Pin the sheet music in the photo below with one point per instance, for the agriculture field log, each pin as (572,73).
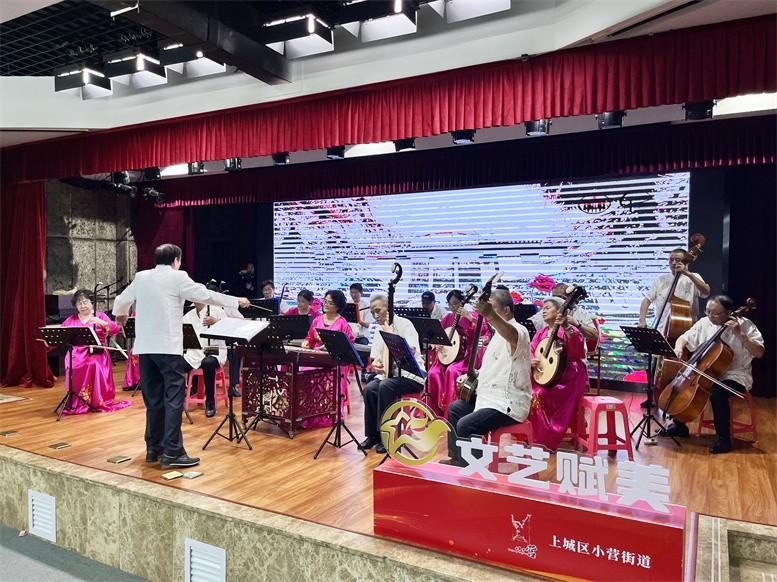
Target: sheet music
(236,329)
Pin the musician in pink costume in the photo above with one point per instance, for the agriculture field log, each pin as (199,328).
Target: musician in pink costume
(553,407)
(330,318)
(441,379)
(92,374)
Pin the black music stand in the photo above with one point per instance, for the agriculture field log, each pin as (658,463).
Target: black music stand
(266,341)
(647,340)
(255,312)
(69,337)
(529,325)
(290,327)
(273,306)
(343,352)
(430,333)
(522,311)
(408,312)
(349,312)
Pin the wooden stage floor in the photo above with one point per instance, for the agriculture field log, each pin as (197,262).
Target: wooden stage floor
(281,475)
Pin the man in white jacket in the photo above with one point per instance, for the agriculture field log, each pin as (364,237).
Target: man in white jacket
(159,295)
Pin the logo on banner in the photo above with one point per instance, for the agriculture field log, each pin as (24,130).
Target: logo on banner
(411,432)
(522,535)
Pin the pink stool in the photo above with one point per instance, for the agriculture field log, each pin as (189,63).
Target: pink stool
(735,426)
(589,437)
(220,390)
(522,431)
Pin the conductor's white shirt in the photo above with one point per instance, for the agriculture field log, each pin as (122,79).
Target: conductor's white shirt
(159,295)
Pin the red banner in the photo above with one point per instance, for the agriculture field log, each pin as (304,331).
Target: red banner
(541,531)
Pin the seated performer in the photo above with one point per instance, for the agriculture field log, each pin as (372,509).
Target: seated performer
(201,317)
(429,303)
(577,317)
(268,292)
(382,391)
(92,373)
(441,379)
(745,340)
(304,305)
(361,329)
(553,406)
(504,389)
(132,373)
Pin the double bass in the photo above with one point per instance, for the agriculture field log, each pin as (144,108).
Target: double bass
(446,355)
(467,390)
(687,394)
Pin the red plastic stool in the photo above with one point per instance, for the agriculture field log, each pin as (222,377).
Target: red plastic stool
(522,431)
(590,437)
(735,426)
(220,387)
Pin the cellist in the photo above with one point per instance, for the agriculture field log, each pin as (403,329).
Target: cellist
(745,341)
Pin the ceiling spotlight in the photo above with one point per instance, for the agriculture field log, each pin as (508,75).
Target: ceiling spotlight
(135,68)
(233,164)
(298,36)
(538,127)
(280,159)
(196,168)
(154,195)
(458,10)
(405,144)
(84,82)
(610,119)
(188,61)
(379,20)
(335,153)
(463,136)
(698,110)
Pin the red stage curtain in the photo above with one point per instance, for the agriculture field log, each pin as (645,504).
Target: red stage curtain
(22,261)
(694,64)
(156,226)
(641,149)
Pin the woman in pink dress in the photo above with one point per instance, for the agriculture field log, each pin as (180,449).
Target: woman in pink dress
(441,379)
(304,305)
(334,303)
(553,406)
(92,373)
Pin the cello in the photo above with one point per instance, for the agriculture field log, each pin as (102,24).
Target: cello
(687,394)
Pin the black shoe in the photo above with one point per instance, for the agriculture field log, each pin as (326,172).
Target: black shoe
(721,446)
(129,388)
(675,430)
(210,412)
(453,462)
(380,449)
(368,443)
(644,403)
(181,461)
(234,392)
(152,456)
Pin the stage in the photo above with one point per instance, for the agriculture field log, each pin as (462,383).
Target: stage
(280,475)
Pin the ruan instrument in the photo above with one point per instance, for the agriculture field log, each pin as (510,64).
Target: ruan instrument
(550,351)
(446,355)
(467,390)
(392,285)
(687,394)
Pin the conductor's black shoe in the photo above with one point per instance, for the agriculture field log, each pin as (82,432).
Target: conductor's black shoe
(130,388)
(380,449)
(721,446)
(234,392)
(675,430)
(210,412)
(368,443)
(152,456)
(182,461)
